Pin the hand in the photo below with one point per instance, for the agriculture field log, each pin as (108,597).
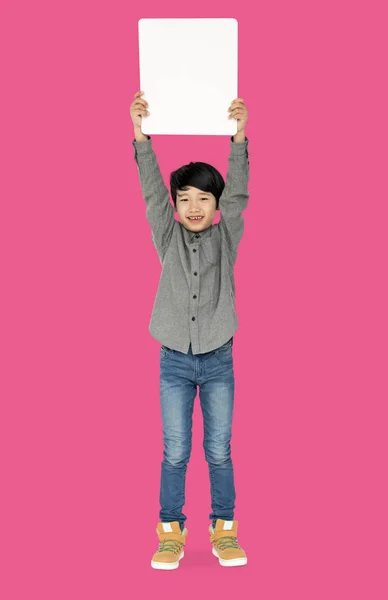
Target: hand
(239,111)
(138,109)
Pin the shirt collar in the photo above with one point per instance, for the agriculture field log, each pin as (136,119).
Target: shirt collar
(191,236)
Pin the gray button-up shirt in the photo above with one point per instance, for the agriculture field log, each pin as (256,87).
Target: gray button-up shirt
(195,301)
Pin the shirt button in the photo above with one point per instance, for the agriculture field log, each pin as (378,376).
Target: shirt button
(195,272)
(194,296)
(194,250)
(197,235)
(193,318)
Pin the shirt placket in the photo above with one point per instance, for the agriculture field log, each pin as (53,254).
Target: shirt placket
(194,293)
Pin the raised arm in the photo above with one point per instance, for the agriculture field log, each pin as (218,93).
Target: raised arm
(159,210)
(234,198)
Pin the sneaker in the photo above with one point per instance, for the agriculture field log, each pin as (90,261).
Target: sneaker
(225,544)
(170,550)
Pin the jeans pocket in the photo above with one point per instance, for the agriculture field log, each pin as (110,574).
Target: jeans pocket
(165,352)
(224,354)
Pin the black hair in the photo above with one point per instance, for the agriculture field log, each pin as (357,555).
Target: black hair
(199,175)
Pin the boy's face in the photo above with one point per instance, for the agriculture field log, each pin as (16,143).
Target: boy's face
(195,203)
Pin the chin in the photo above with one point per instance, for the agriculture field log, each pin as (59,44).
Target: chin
(199,227)
(196,228)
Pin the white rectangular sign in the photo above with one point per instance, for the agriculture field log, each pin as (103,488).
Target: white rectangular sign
(188,72)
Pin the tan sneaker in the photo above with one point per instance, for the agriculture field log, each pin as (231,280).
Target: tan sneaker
(171,544)
(225,544)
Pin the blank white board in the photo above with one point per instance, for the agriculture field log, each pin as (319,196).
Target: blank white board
(188,72)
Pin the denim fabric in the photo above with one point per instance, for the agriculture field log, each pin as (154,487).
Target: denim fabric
(180,374)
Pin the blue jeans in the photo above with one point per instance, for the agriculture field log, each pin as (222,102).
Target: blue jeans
(180,374)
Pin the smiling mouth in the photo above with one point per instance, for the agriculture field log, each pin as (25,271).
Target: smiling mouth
(195,218)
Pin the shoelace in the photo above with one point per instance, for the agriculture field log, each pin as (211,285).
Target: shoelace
(227,541)
(170,546)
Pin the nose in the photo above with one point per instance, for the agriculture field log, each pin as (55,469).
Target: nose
(193,206)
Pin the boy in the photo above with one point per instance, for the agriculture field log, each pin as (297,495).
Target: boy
(194,319)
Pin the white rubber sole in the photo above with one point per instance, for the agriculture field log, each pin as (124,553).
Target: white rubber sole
(167,566)
(233,562)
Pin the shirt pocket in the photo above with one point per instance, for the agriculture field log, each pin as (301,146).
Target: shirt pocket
(210,253)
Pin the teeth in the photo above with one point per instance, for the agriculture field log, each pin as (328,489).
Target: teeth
(195,218)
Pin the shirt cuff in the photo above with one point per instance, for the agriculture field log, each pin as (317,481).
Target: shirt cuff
(240,148)
(142,147)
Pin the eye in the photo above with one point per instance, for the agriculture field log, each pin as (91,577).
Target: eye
(204,198)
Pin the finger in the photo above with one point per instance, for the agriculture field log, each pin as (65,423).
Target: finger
(238,110)
(138,94)
(242,108)
(236,105)
(141,111)
(236,115)
(140,101)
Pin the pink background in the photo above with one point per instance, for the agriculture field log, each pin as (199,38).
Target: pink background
(80,421)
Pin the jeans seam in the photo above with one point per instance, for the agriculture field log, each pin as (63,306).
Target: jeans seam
(220,482)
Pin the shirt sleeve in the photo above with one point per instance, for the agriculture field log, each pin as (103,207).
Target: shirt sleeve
(159,210)
(234,198)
